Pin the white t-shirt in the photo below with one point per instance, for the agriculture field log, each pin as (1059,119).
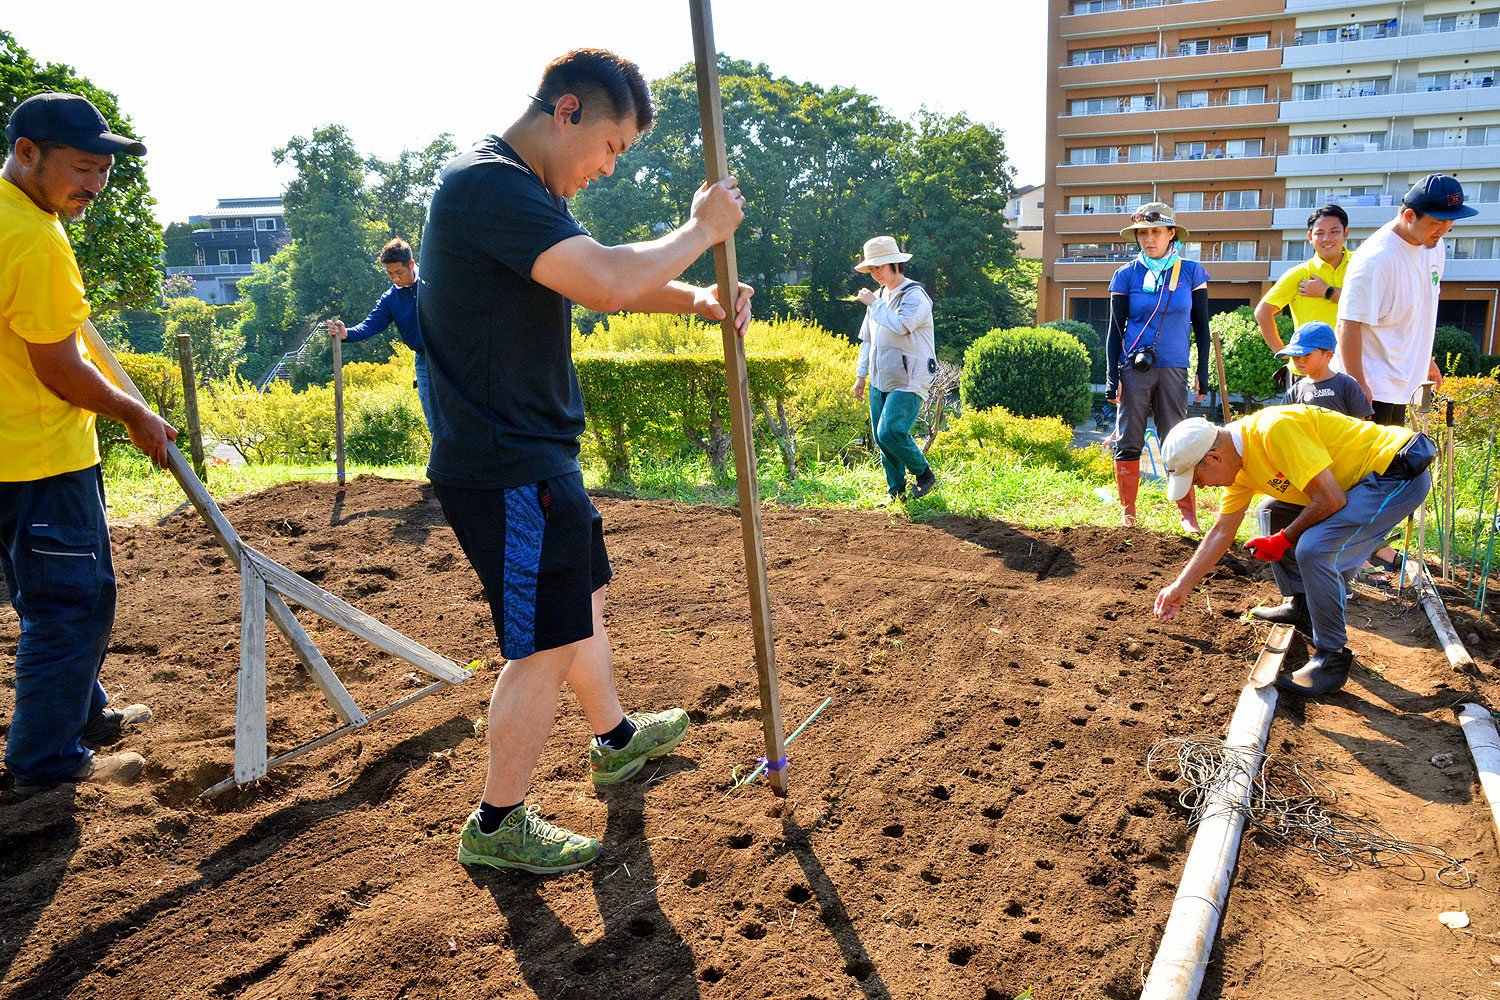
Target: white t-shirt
(1393,286)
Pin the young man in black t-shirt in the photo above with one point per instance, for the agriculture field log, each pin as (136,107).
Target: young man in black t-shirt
(502,262)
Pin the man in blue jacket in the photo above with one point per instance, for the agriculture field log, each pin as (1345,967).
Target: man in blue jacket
(398,305)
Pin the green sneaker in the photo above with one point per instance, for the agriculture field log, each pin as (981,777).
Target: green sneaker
(656,735)
(525,841)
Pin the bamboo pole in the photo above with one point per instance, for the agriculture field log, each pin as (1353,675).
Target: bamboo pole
(711,115)
(190,403)
(338,405)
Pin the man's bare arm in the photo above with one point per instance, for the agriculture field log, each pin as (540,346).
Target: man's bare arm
(608,279)
(1351,336)
(63,370)
(1265,316)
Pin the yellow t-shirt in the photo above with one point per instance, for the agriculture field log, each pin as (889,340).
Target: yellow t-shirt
(1284,447)
(41,302)
(1307,308)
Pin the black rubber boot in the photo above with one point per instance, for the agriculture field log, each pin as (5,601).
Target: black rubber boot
(1323,673)
(1292,611)
(926,483)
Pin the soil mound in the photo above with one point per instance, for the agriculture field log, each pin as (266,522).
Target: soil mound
(969,818)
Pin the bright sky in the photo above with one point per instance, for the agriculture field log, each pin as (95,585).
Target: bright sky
(212,88)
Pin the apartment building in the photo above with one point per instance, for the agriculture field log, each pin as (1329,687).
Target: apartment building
(1244,115)
(235,235)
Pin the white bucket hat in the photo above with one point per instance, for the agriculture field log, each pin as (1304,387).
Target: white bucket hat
(882,250)
(1181,452)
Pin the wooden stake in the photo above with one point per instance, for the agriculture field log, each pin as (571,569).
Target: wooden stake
(711,114)
(1223,386)
(190,403)
(338,405)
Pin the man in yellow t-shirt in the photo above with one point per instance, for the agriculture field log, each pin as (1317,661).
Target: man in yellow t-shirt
(1311,289)
(1353,479)
(54,540)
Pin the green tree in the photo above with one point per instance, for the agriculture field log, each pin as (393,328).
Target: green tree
(216,343)
(334,241)
(269,323)
(178,241)
(952,183)
(403,187)
(117,242)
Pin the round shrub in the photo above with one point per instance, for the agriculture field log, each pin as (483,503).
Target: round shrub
(1089,338)
(1456,352)
(1032,372)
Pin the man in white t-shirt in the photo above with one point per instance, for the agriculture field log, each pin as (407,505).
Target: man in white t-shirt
(1388,305)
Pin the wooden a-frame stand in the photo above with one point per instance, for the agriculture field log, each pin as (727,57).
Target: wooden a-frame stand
(264,584)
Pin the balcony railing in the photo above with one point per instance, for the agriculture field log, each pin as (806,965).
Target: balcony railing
(1215,49)
(1392,30)
(1123,256)
(1397,143)
(1488,83)
(1213,102)
(1110,6)
(1161,157)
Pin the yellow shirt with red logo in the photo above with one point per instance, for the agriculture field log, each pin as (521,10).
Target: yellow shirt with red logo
(41,302)
(1284,447)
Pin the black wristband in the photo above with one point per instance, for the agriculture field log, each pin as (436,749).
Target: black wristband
(1328,293)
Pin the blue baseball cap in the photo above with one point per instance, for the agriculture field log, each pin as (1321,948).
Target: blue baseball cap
(70,120)
(1310,337)
(1438,196)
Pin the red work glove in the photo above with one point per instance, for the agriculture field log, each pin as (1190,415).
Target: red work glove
(1269,547)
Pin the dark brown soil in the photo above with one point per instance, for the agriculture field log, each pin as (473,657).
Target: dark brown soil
(968,819)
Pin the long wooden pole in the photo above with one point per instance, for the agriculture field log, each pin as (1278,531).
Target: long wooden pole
(190,403)
(338,405)
(1223,386)
(711,114)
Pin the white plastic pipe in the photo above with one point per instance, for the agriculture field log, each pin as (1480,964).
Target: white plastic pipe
(1453,646)
(1484,746)
(1177,972)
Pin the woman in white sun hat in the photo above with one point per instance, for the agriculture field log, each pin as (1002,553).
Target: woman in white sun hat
(897,362)
(1157,303)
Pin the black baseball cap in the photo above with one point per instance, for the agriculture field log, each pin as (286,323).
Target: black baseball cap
(69,119)
(1438,196)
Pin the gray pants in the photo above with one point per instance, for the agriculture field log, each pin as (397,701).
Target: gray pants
(1158,392)
(1332,549)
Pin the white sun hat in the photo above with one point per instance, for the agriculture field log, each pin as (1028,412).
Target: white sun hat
(1181,452)
(882,250)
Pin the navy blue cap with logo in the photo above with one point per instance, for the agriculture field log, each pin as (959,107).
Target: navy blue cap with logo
(70,120)
(1440,197)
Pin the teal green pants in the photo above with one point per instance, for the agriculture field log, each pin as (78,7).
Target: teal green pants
(891,417)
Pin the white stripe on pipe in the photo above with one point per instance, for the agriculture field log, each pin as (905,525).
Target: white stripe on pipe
(1177,972)
(1484,746)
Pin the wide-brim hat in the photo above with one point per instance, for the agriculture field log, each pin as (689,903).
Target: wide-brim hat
(882,250)
(1151,215)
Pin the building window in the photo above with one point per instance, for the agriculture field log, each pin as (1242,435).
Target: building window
(1192,99)
(1093,311)
(198,260)
(1469,315)
(1113,105)
(266,225)
(1215,201)
(1471,248)
(229,257)
(1112,204)
(1247,95)
(1118,53)
(1110,154)
(1235,250)
(255,255)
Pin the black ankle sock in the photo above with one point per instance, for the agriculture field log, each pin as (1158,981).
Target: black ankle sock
(618,737)
(490,817)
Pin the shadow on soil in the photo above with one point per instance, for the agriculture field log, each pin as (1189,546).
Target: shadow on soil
(73,960)
(641,956)
(1020,551)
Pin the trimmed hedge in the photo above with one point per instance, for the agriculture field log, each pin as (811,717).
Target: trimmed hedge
(649,400)
(1089,338)
(160,380)
(1032,372)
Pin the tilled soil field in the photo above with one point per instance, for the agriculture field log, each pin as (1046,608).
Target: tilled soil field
(970,817)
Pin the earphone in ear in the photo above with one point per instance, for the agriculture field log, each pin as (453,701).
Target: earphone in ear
(551,109)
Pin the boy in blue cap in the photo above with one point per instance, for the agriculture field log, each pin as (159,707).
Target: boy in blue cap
(1311,350)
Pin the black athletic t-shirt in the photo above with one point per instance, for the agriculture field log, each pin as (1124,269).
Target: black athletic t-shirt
(507,410)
